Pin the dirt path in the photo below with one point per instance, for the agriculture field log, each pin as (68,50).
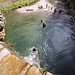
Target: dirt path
(46,6)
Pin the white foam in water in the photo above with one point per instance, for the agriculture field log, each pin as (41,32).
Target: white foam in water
(32,59)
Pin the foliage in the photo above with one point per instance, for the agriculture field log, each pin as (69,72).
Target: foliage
(1,0)
(16,5)
(51,1)
(69,3)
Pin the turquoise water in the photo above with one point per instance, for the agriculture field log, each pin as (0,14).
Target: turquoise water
(23,31)
(56,42)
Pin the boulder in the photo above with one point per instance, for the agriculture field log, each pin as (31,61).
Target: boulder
(10,64)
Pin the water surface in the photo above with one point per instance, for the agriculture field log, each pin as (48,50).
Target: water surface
(56,42)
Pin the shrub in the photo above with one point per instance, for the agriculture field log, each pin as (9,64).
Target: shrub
(52,2)
(16,5)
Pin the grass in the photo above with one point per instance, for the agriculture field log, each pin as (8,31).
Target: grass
(52,2)
(16,5)
(1,0)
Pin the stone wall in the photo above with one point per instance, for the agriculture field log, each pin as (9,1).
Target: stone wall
(2,27)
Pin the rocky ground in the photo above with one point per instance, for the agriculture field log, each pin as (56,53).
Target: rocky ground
(2,27)
(42,5)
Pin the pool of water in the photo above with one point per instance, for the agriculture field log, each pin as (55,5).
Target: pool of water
(56,42)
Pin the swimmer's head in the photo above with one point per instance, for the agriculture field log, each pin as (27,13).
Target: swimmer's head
(34,49)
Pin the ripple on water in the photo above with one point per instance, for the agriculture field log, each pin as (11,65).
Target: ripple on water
(55,42)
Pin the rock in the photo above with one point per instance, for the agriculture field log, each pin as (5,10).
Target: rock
(13,66)
(29,9)
(49,73)
(4,56)
(2,27)
(1,47)
(33,71)
(10,64)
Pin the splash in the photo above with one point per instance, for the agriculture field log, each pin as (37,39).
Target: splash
(32,59)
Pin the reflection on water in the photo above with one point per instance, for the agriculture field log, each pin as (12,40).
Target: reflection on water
(55,42)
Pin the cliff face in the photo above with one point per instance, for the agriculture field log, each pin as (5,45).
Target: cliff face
(10,64)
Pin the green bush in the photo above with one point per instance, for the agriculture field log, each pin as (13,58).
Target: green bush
(16,5)
(52,2)
(1,0)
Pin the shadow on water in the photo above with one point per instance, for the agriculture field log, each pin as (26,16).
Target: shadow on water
(56,42)
(59,45)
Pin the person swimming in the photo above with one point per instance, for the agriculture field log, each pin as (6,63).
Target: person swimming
(43,25)
(41,21)
(34,49)
(32,58)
